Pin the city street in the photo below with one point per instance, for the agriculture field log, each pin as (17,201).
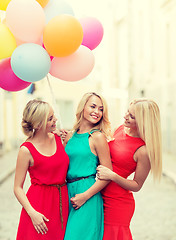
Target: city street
(154,219)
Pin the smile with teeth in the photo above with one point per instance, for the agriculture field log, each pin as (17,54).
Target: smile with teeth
(94,116)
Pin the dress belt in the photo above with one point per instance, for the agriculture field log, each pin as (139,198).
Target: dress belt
(78,178)
(60,200)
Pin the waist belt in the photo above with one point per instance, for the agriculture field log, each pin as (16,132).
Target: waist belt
(60,200)
(79,178)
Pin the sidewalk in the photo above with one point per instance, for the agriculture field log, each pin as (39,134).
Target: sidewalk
(8,163)
(169,166)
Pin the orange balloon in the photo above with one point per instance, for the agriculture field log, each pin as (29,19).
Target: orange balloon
(62,35)
(43,3)
(3,4)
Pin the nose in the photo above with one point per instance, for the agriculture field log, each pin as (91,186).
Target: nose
(126,115)
(96,110)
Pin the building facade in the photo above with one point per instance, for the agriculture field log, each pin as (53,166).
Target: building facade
(136,58)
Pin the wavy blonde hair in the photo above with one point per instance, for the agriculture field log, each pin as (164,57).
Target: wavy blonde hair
(104,124)
(147,115)
(35,114)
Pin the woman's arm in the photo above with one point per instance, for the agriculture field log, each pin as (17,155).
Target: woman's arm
(141,173)
(102,150)
(23,163)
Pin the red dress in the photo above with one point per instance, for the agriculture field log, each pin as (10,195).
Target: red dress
(49,200)
(119,203)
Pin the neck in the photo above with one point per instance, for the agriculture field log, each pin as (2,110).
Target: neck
(85,127)
(41,135)
(132,132)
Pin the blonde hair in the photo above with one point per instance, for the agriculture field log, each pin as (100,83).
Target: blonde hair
(147,115)
(35,114)
(103,125)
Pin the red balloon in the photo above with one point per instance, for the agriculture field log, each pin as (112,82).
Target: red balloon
(8,80)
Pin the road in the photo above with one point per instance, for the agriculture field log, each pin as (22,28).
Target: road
(154,218)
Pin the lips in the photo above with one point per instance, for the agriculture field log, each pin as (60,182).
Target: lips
(94,117)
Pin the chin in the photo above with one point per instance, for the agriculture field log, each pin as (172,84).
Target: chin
(95,122)
(125,124)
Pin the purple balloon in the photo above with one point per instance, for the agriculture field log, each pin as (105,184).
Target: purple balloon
(8,80)
(92,32)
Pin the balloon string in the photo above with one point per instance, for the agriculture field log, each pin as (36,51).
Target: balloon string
(54,103)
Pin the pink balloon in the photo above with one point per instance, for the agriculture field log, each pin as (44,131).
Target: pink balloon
(73,67)
(20,42)
(8,80)
(26,20)
(92,32)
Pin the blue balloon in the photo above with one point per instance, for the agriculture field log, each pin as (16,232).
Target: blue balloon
(30,62)
(57,7)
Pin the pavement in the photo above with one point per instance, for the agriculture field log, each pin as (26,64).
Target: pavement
(8,163)
(169,166)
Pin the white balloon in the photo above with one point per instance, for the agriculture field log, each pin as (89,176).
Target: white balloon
(57,7)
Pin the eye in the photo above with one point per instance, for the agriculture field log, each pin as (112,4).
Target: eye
(92,106)
(50,118)
(131,116)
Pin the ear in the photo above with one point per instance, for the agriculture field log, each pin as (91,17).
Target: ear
(39,126)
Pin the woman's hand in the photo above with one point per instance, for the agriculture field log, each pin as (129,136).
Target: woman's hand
(78,200)
(104,173)
(63,134)
(38,221)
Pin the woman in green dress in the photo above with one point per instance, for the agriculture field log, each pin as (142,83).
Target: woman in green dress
(87,147)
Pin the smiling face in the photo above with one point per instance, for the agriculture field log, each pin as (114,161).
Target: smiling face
(130,121)
(93,110)
(51,121)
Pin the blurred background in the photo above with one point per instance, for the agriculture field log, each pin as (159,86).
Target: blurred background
(136,58)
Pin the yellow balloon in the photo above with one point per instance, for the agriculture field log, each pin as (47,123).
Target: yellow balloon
(62,35)
(43,2)
(3,4)
(7,42)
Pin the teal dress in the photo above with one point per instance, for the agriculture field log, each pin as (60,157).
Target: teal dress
(86,223)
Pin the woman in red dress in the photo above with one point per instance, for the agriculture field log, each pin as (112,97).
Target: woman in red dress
(136,148)
(45,206)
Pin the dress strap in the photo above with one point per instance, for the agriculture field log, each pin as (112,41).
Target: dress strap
(94,130)
(29,146)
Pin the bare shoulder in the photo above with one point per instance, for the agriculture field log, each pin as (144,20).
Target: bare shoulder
(99,139)
(24,150)
(98,136)
(24,153)
(142,151)
(141,154)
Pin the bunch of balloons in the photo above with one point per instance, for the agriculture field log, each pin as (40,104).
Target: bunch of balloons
(38,37)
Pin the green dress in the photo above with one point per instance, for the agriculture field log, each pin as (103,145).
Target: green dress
(86,223)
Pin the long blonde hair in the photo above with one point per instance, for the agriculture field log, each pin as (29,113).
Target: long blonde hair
(35,114)
(104,124)
(147,115)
